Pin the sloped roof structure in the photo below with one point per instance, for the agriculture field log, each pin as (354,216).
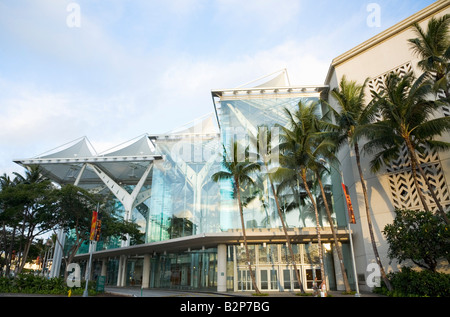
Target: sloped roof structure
(269,88)
(129,163)
(74,162)
(279,83)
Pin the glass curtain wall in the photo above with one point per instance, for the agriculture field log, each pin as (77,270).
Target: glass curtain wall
(196,269)
(240,118)
(184,199)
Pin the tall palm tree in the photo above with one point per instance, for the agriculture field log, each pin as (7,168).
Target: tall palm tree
(266,150)
(238,169)
(322,159)
(433,48)
(352,114)
(300,141)
(407,121)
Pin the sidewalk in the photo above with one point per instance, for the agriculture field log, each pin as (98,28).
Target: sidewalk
(138,292)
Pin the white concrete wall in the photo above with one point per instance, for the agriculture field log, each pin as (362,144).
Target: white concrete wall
(372,62)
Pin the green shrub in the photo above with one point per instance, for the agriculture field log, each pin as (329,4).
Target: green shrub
(31,284)
(411,283)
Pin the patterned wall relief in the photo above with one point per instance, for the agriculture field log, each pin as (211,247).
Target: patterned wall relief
(402,190)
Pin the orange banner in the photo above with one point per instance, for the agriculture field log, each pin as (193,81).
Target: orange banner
(99,228)
(93,226)
(351,215)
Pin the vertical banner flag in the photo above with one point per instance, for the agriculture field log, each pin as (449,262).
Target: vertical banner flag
(99,226)
(351,215)
(93,226)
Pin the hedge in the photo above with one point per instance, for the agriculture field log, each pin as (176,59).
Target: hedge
(411,283)
(34,284)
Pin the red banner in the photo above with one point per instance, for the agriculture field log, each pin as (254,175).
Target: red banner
(351,215)
(93,226)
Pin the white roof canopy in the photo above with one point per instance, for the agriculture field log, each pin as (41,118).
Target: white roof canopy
(68,163)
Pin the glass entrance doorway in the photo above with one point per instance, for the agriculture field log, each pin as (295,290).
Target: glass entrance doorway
(244,279)
(274,270)
(269,279)
(313,277)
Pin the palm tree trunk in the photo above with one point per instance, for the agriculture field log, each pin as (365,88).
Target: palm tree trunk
(336,242)
(425,178)
(288,240)
(369,219)
(319,240)
(416,182)
(238,190)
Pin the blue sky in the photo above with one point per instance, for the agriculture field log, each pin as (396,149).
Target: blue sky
(143,66)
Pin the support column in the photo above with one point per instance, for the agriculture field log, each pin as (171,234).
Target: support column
(339,276)
(123,271)
(146,271)
(104,267)
(222,268)
(59,247)
(57,255)
(120,270)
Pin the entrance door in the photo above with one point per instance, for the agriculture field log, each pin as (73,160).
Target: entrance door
(244,280)
(290,282)
(269,279)
(313,274)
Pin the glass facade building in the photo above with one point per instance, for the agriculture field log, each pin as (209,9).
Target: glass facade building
(192,236)
(190,225)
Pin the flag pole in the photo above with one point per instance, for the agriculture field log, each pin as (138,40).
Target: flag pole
(91,249)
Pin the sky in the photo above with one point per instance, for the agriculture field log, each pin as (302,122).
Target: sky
(113,70)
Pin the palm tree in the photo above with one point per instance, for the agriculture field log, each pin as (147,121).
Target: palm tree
(300,141)
(238,170)
(320,169)
(433,48)
(266,150)
(352,114)
(32,175)
(323,152)
(407,121)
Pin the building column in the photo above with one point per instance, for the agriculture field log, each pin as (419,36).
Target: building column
(124,271)
(337,269)
(121,277)
(57,255)
(146,271)
(222,268)
(104,267)
(59,247)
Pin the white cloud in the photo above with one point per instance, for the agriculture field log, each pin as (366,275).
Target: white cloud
(112,81)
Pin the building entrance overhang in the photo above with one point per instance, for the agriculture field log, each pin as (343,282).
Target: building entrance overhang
(211,240)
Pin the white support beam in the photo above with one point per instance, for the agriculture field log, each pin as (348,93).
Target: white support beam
(134,194)
(141,197)
(243,120)
(95,159)
(61,237)
(127,200)
(115,188)
(80,174)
